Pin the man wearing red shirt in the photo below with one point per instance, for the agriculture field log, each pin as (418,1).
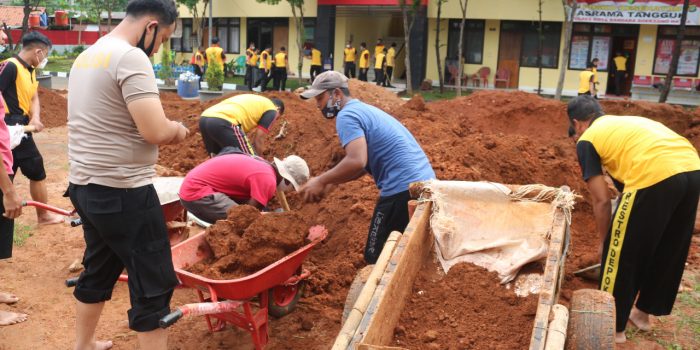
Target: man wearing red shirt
(230,179)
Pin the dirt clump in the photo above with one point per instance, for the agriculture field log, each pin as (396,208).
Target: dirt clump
(374,95)
(248,241)
(465,309)
(54,108)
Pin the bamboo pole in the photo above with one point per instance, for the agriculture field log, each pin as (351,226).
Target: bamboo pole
(556,335)
(283,200)
(358,310)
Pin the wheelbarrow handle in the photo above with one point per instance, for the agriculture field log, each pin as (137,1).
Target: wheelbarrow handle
(170,319)
(47,207)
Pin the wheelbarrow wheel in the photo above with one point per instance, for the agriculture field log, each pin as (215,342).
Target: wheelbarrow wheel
(591,320)
(283,299)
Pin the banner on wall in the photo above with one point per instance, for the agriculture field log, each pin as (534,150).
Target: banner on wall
(666,12)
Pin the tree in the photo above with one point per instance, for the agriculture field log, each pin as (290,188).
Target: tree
(29,6)
(460,46)
(570,7)
(441,78)
(197,18)
(298,13)
(407,28)
(539,47)
(108,6)
(666,88)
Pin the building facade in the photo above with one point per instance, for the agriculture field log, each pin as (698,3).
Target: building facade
(501,35)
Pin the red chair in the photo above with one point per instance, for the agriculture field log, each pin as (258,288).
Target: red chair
(481,76)
(454,72)
(659,81)
(682,83)
(641,81)
(502,75)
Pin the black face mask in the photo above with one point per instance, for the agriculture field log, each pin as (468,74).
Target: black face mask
(148,51)
(331,109)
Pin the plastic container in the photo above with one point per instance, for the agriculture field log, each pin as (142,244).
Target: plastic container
(188,89)
(34,20)
(61,18)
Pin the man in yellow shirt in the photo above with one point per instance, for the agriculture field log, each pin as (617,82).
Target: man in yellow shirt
(620,72)
(644,245)
(390,63)
(264,68)
(316,64)
(280,71)
(379,63)
(378,50)
(364,62)
(226,123)
(249,52)
(349,58)
(215,53)
(586,81)
(197,63)
(595,73)
(254,68)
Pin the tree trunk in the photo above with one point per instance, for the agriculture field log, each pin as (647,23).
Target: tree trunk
(569,12)
(109,19)
(539,48)
(300,36)
(25,19)
(9,37)
(441,78)
(80,32)
(676,54)
(460,47)
(407,35)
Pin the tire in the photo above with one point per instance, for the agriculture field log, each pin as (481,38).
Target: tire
(355,288)
(282,300)
(591,321)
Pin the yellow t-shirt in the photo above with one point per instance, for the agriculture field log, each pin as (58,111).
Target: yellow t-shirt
(378,49)
(281,60)
(379,61)
(620,63)
(214,55)
(249,56)
(636,151)
(244,110)
(199,59)
(265,61)
(315,57)
(364,59)
(350,54)
(22,89)
(584,81)
(254,60)
(595,74)
(390,57)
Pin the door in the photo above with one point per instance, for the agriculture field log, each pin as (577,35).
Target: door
(280,38)
(628,47)
(509,48)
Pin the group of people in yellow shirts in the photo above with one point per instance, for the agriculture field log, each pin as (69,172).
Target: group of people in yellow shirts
(384,62)
(263,66)
(588,78)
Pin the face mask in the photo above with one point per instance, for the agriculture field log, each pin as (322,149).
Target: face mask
(148,51)
(43,63)
(2,48)
(332,109)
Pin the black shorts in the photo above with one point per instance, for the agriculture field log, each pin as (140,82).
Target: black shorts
(7,230)
(218,133)
(390,214)
(125,228)
(26,155)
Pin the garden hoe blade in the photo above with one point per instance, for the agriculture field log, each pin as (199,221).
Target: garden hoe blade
(591,273)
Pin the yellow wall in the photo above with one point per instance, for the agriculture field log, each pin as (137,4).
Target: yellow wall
(644,64)
(252,8)
(363,29)
(500,9)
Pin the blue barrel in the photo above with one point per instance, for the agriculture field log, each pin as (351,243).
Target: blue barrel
(188,89)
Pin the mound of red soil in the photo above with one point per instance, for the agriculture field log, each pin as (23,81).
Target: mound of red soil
(54,108)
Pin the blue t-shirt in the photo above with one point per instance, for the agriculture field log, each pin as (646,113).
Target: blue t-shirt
(394,158)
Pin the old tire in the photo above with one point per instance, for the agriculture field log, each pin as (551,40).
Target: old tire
(355,288)
(282,300)
(591,321)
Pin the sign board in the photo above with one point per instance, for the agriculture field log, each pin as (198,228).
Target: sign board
(600,49)
(665,12)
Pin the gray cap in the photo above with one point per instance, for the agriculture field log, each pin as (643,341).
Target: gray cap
(325,81)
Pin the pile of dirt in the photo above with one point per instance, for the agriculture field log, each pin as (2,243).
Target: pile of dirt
(248,241)
(465,309)
(54,108)
(375,95)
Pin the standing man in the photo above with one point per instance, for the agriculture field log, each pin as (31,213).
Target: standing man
(249,53)
(378,50)
(265,68)
(255,72)
(19,88)
(198,64)
(374,143)
(364,62)
(316,64)
(349,54)
(211,188)
(10,207)
(215,54)
(586,81)
(379,64)
(620,72)
(643,248)
(115,124)
(226,124)
(390,62)
(280,70)
(595,62)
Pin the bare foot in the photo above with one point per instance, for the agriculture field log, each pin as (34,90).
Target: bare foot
(640,319)
(7,298)
(103,344)
(620,337)
(9,318)
(50,219)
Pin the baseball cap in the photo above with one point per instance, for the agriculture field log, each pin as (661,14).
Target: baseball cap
(325,81)
(294,169)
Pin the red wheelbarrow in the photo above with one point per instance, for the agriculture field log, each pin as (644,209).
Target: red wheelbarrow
(244,302)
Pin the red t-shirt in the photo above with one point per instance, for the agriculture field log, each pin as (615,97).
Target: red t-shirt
(5,140)
(238,176)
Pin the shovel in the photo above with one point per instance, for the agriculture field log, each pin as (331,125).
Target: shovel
(590,273)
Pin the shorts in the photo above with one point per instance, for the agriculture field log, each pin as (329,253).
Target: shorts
(390,214)
(125,228)
(210,208)
(218,133)
(7,231)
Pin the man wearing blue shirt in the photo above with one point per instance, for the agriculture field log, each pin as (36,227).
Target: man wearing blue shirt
(375,143)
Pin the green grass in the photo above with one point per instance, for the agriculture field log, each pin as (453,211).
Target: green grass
(435,94)
(59,64)
(292,82)
(21,234)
